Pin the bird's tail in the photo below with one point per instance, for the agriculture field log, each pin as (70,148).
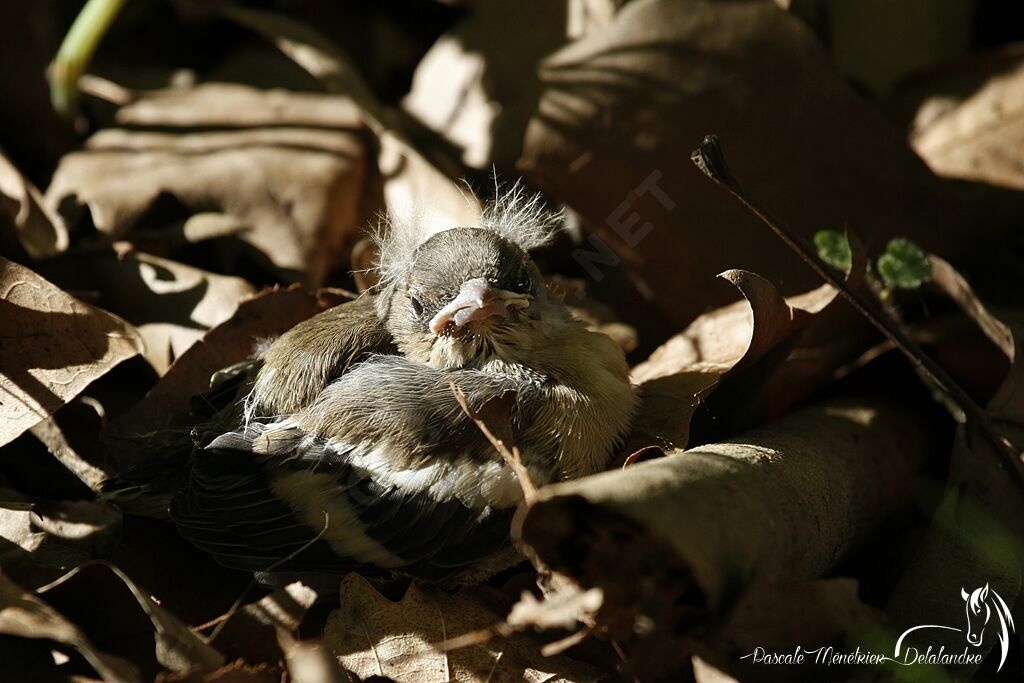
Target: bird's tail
(157,463)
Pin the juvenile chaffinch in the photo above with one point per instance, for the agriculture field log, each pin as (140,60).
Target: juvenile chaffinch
(350,451)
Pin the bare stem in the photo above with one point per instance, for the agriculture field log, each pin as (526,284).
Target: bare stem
(709,159)
(511,454)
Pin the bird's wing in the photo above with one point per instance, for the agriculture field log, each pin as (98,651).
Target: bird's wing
(275,499)
(311,355)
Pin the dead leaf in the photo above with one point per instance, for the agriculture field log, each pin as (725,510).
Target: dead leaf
(42,540)
(252,632)
(56,345)
(52,435)
(622,106)
(40,230)
(171,304)
(373,636)
(479,91)
(681,374)
(311,661)
(414,186)
(291,192)
(25,616)
(177,647)
(953,284)
(975,136)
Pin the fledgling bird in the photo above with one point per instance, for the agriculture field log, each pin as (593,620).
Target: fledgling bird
(350,450)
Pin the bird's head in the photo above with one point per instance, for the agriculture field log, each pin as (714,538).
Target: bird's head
(469,294)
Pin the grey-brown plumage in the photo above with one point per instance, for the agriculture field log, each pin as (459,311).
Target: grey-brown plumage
(351,447)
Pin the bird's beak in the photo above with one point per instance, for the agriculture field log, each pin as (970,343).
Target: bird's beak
(477,300)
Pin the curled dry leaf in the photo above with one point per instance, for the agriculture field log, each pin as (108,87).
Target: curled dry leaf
(681,374)
(43,540)
(373,636)
(283,172)
(602,143)
(177,647)
(55,346)
(783,502)
(40,231)
(24,615)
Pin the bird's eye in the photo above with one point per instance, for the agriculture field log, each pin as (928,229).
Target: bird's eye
(522,283)
(417,306)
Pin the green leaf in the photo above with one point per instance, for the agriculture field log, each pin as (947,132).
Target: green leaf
(834,249)
(904,265)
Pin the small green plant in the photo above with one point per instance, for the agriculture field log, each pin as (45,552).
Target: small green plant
(834,249)
(904,265)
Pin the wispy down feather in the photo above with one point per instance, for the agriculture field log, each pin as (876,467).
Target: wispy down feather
(514,214)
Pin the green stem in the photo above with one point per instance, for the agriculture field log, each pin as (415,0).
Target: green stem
(77,50)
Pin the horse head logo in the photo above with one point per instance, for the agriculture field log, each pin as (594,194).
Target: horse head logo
(981,605)
(984,607)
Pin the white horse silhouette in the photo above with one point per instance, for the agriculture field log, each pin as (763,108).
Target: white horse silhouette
(979,604)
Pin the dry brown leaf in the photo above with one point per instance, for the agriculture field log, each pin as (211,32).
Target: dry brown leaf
(25,616)
(953,284)
(311,661)
(43,540)
(177,647)
(977,136)
(373,636)
(171,304)
(289,190)
(806,145)
(55,346)
(40,231)
(414,187)
(252,632)
(50,433)
(681,373)
(478,89)
(783,502)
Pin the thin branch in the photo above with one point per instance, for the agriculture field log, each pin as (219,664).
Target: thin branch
(709,159)
(511,454)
